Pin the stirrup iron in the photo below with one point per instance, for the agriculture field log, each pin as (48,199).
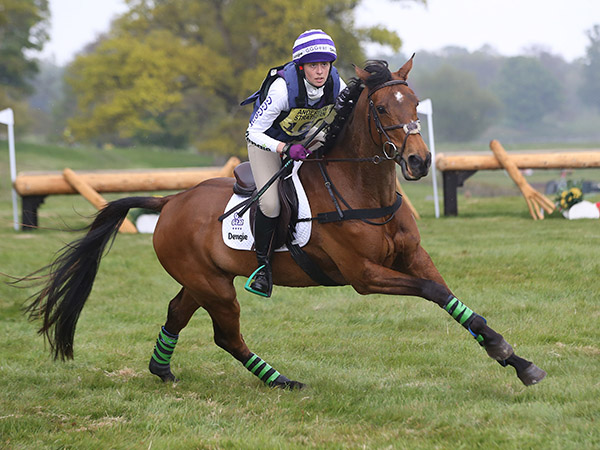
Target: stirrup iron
(251,279)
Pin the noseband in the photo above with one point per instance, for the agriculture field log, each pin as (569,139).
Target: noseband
(413,127)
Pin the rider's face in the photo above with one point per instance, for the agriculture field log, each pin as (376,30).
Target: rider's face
(316,73)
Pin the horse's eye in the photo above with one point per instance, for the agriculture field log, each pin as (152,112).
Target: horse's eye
(381,109)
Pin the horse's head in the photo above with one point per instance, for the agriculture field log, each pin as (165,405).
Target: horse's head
(392,119)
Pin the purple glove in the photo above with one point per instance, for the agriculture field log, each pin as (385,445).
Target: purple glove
(297,152)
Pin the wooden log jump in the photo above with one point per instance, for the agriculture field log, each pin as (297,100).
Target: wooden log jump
(536,202)
(34,187)
(458,168)
(54,183)
(94,198)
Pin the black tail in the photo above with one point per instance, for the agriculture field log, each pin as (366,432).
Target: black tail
(70,276)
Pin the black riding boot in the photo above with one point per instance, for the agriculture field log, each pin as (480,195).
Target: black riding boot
(264,230)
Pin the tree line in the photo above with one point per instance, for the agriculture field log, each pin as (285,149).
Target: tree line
(172,73)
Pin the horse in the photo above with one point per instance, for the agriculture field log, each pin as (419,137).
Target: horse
(380,252)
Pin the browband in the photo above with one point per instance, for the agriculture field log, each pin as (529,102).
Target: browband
(386,84)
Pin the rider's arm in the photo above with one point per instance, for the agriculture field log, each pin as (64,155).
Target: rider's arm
(275,103)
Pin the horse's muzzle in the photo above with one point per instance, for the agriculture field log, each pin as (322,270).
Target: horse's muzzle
(416,167)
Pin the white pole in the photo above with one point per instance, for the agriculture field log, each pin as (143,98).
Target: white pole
(426,107)
(7,117)
(13,174)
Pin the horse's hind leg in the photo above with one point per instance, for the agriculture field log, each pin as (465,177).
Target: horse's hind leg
(224,311)
(181,309)
(226,325)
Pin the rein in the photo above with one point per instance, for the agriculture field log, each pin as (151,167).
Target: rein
(372,159)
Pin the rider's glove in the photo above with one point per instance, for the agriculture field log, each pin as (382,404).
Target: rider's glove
(296,151)
(341,99)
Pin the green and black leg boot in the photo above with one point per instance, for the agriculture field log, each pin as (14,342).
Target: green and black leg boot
(261,281)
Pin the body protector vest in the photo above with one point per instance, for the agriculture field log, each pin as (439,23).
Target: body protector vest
(294,125)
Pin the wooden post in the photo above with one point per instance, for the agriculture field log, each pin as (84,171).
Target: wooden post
(54,183)
(227,169)
(565,160)
(93,197)
(535,200)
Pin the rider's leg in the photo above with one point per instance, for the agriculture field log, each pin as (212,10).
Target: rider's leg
(264,232)
(264,165)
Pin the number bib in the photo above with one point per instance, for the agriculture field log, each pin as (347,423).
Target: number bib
(300,120)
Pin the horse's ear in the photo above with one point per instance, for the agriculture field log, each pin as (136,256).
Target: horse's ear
(405,69)
(361,73)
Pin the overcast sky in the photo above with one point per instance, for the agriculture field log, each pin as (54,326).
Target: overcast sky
(509,26)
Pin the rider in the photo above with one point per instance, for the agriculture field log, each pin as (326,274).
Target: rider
(295,98)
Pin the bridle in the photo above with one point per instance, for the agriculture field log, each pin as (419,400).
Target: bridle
(389,149)
(413,127)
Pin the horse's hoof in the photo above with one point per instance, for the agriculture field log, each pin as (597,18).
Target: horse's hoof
(501,351)
(294,385)
(531,375)
(282,382)
(161,371)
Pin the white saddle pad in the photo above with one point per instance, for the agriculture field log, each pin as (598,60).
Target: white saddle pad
(237,232)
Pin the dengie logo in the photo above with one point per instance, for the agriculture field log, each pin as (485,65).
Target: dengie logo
(237,237)
(237,224)
(237,221)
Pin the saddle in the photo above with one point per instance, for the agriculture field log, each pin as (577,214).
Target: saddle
(245,186)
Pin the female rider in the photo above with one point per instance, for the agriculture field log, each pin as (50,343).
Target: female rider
(300,95)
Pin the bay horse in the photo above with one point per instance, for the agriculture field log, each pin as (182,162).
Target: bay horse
(376,128)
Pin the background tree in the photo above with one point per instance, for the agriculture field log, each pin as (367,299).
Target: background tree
(527,90)
(174,72)
(590,87)
(462,109)
(23,28)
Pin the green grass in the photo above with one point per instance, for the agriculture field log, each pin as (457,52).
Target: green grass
(31,156)
(382,372)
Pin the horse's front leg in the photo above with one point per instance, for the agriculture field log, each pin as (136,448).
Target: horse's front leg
(425,281)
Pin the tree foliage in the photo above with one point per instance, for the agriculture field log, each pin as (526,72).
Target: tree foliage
(463,110)
(528,90)
(590,87)
(23,25)
(23,28)
(174,71)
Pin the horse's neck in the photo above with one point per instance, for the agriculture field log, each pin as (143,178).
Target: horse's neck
(378,181)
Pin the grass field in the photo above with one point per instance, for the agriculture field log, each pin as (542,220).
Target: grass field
(382,372)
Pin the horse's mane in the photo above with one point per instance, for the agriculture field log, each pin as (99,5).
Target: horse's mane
(380,73)
(345,104)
